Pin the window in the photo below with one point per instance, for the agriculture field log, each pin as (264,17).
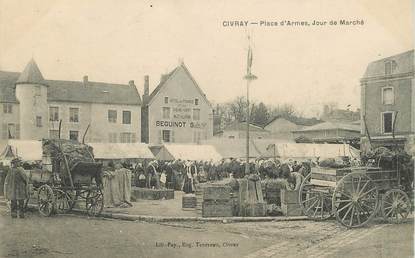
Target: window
(126,117)
(166,100)
(38,121)
(388,96)
(127,137)
(37,90)
(231,136)
(166,113)
(7,108)
(387,122)
(53,114)
(166,136)
(112,137)
(196,102)
(73,135)
(196,114)
(74,115)
(11,131)
(54,134)
(112,116)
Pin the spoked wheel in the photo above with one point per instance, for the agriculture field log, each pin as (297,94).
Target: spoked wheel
(355,200)
(94,202)
(45,200)
(315,200)
(64,201)
(395,206)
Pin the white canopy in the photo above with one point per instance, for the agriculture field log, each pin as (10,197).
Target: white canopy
(27,150)
(311,150)
(188,152)
(121,151)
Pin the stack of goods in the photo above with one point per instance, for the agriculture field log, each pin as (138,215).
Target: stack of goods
(199,198)
(188,202)
(289,203)
(272,188)
(216,201)
(73,156)
(334,163)
(152,194)
(251,200)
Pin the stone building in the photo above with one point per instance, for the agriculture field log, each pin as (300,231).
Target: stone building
(177,111)
(388,102)
(237,130)
(33,108)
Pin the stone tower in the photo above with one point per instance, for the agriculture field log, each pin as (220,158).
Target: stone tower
(31,92)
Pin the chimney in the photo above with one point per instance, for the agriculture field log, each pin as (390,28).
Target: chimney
(85,79)
(146,85)
(131,83)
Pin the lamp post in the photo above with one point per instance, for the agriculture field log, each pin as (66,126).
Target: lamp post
(249,77)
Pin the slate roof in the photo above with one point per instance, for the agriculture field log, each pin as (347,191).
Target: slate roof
(330,126)
(69,91)
(31,74)
(403,63)
(7,81)
(241,126)
(297,120)
(168,77)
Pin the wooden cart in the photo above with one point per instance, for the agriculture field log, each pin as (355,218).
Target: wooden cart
(61,187)
(354,195)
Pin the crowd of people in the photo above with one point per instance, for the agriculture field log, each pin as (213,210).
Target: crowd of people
(185,174)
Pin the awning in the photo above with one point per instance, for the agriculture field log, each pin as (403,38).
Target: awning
(188,152)
(26,150)
(311,150)
(121,151)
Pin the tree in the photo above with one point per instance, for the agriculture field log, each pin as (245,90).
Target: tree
(260,115)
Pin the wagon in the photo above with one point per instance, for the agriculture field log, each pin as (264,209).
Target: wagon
(69,176)
(354,195)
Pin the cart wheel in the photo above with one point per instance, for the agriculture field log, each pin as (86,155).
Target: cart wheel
(94,202)
(355,200)
(64,201)
(45,200)
(395,206)
(315,201)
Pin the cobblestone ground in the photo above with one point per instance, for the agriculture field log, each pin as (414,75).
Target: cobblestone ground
(78,236)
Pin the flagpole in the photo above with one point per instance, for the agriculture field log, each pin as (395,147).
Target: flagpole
(248,77)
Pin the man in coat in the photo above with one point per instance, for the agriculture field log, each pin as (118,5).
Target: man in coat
(15,186)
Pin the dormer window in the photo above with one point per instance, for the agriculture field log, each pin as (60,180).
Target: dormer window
(166,100)
(196,102)
(390,66)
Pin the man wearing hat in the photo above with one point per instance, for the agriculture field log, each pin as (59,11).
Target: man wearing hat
(15,186)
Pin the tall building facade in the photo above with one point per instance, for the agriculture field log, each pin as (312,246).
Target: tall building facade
(388,102)
(177,111)
(34,108)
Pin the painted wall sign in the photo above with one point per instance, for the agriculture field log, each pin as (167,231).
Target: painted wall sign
(170,123)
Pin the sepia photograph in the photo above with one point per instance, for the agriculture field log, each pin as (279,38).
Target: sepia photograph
(246,129)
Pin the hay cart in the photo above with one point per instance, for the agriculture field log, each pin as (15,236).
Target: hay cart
(70,175)
(354,195)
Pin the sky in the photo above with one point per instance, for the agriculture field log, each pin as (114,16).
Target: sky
(118,41)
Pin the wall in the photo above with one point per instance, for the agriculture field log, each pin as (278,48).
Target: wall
(33,103)
(101,127)
(84,119)
(7,118)
(96,115)
(373,106)
(242,135)
(282,129)
(182,92)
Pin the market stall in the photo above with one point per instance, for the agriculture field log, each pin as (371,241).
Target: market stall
(188,152)
(26,150)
